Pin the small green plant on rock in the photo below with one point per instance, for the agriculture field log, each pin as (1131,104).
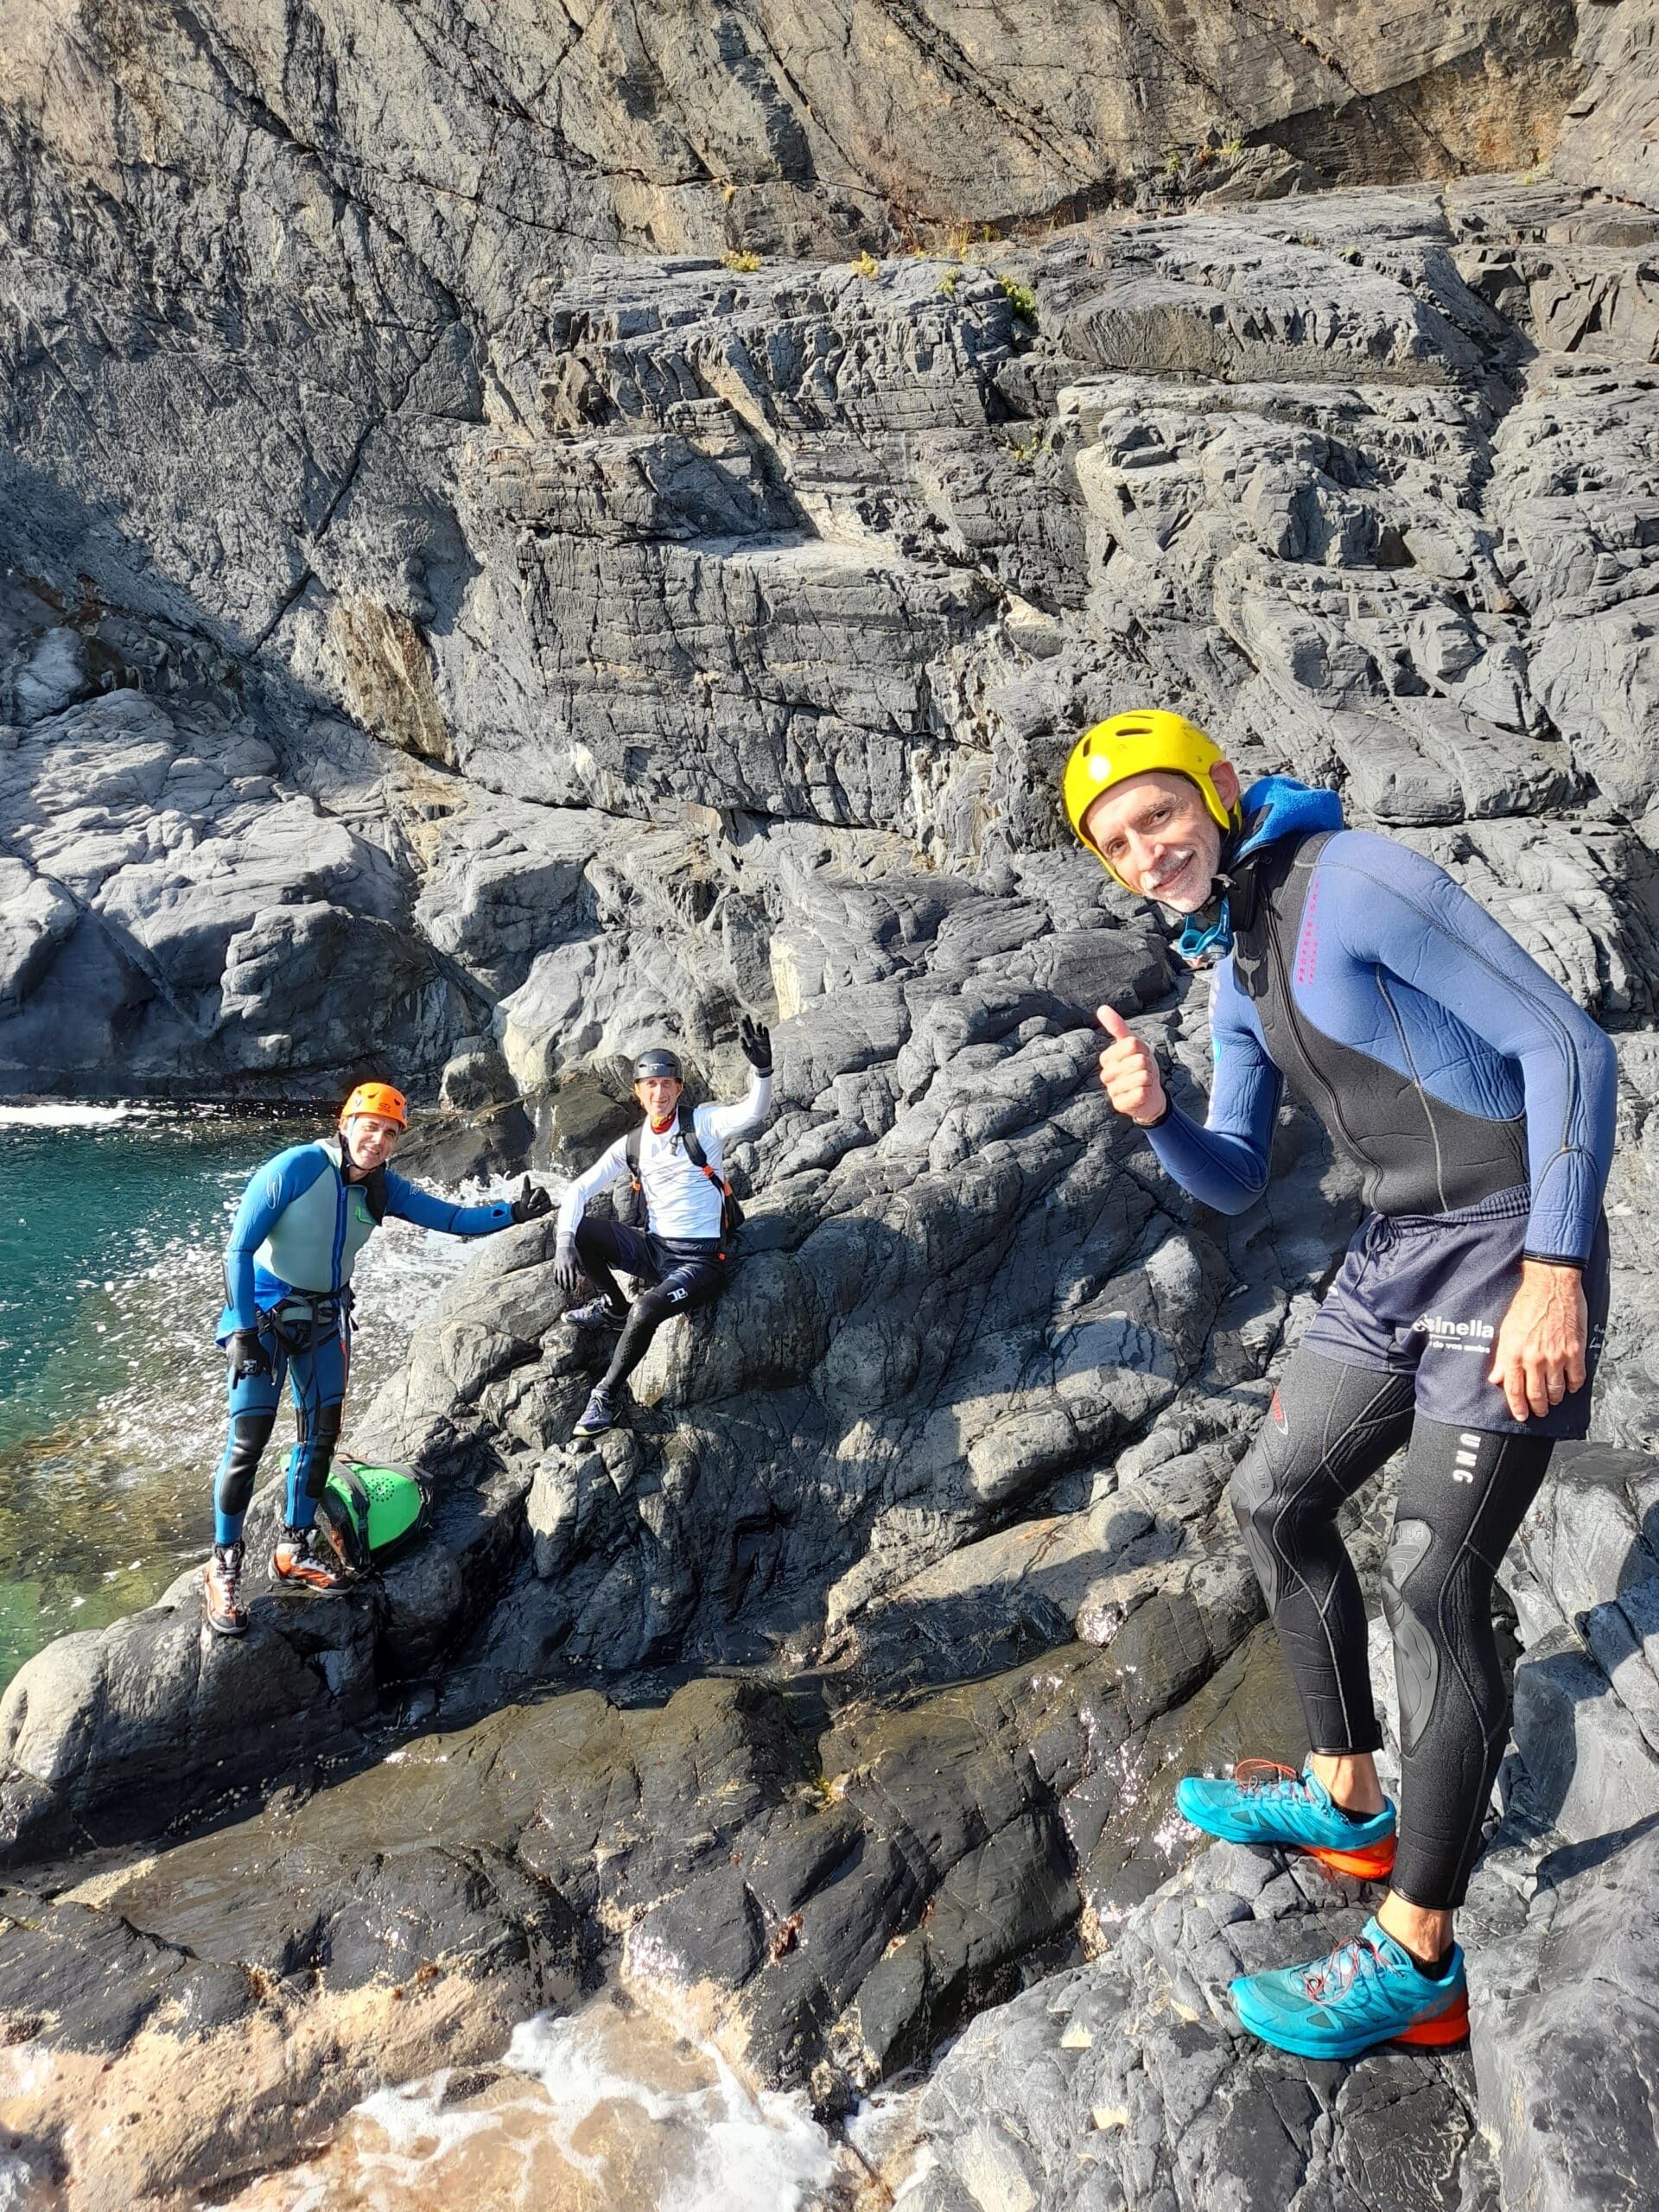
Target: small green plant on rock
(867,265)
(1026,450)
(740,261)
(1172,161)
(1020,297)
(1232,149)
(948,284)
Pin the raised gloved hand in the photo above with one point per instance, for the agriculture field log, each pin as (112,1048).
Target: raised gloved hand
(567,1268)
(531,1202)
(756,1042)
(246,1350)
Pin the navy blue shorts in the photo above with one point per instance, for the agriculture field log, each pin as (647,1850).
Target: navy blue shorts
(1423,1295)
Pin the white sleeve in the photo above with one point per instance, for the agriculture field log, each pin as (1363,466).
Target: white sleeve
(725,1122)
(610,1168)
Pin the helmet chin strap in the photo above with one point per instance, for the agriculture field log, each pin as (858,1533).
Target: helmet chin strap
(1208,932)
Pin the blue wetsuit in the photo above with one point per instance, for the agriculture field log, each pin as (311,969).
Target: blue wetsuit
(1478,1100)
(288,1272)
(1476,1097)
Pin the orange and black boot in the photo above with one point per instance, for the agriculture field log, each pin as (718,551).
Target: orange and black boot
(221,1590)
(296,1564)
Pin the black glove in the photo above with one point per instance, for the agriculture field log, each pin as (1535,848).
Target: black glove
(567,1268)
(757,1045)
(531,1202)
(246,1350)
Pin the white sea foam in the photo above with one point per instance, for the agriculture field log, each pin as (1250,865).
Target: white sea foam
(67,1114)
(743,2150)
(610,2110)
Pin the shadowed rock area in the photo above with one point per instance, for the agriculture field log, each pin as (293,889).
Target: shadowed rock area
(457,623)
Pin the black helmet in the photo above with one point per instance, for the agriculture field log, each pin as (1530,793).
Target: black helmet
(658,1061)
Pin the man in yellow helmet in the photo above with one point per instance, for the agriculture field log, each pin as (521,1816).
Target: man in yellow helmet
(304,1217)
(1478,1101)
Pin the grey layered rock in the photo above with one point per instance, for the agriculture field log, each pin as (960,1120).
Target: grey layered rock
(1606,138)
(168,890)
(550,639)
(1125,2081)
(825,1895)
(1564,2016)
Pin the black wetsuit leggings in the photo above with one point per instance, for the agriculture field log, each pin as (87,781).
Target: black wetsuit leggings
(679,1275)
(1462,1496)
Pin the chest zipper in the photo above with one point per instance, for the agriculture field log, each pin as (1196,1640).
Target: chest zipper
(342,1223)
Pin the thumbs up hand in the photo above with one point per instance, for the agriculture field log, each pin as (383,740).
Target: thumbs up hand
(1128,1073)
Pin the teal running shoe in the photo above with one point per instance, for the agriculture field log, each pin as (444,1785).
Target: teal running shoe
(1367,1991)
(1264,1802)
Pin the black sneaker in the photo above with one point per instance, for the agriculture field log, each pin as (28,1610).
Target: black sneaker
(597,1314)
(598,1415)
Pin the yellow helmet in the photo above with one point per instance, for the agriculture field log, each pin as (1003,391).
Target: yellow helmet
(1128,745)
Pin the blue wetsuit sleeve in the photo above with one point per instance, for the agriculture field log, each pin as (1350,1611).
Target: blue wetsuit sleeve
(1224,1164)
(270,1191)
(1398,910)
(407,1202)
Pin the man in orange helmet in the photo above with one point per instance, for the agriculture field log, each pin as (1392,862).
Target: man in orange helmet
(304,1217)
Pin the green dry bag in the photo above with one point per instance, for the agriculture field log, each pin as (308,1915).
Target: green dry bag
(370,1513)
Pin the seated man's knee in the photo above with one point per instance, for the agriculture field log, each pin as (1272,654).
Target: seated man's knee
(590,1238)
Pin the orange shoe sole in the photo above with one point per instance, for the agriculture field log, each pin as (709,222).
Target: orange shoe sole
(1371,1862)
(321,1580)
(1448,2027)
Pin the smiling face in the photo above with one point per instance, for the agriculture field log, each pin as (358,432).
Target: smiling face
(658,1095)
(370,1140)
(1158,834)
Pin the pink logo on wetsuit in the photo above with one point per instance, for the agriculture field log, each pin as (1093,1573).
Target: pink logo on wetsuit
(1307,946)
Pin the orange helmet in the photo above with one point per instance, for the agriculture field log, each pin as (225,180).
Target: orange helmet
(377,1098)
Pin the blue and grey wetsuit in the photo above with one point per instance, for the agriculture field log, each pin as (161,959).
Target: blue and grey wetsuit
(288,1274)
(1478,1101)
(1476,1097)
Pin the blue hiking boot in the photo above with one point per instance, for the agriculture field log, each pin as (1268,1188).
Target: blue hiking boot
(598,1414)
(1368,1991)
(1264,1802)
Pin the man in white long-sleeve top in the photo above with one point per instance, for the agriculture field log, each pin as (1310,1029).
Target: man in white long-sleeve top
(675,1158)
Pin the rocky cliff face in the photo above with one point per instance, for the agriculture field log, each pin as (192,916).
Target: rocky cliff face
(450,602)
(326,414)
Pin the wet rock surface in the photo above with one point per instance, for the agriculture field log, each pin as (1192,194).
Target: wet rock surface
(502,633)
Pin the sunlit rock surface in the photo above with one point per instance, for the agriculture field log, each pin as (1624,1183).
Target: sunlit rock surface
(458,624)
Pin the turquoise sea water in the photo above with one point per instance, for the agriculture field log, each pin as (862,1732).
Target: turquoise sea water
(111,1393)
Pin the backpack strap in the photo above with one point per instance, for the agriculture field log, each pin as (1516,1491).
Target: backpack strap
(636,1145)
(729,1216)
(693,1151)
